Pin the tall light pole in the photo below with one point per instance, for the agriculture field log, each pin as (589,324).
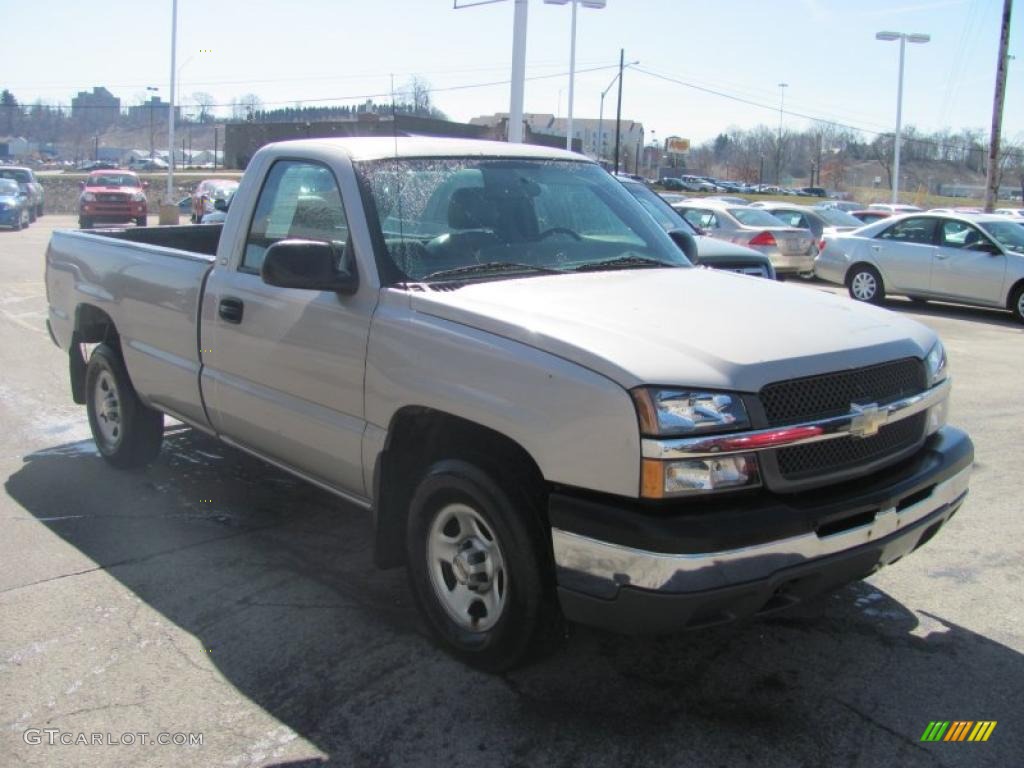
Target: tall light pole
(992,172)
(152,150)
(572,54)
(778,148)
(904,38)
(170,111)
(600,114)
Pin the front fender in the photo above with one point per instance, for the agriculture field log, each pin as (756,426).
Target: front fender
(578,426)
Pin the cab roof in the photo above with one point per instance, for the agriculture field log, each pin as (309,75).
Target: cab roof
(383,148)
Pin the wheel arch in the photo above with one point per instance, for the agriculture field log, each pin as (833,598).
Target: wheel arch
(416,437)
(1017,286)
(92,326)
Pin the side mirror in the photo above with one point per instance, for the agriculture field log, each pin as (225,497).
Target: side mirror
(220,204)
(307,265)
(145,185)
(986,246)
(686,243)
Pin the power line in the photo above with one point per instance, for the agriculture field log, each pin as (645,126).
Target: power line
(814,118)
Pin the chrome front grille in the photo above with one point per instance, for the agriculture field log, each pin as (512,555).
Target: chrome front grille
(832,394)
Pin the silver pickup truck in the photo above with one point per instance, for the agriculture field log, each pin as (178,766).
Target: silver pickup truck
(550,413)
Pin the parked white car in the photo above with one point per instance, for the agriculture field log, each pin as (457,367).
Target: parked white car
(894,208)
(969,258)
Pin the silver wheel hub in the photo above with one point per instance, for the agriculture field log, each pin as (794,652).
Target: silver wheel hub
(467,568)
(864,286)
(108,409)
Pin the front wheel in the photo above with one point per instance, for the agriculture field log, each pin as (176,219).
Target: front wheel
(1017,303)
(127,432)
(84,222)
(478,567)
(865,284)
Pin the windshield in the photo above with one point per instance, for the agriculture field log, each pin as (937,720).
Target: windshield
(838,218)
(442,214)
(666,216)
(755,217)
(20,176)
(8,187)
(1009,234)
(114,180)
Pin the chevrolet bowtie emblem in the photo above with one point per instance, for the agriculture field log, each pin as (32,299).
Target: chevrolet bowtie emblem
(866,419)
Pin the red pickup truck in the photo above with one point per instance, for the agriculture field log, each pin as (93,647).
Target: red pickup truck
(112,197)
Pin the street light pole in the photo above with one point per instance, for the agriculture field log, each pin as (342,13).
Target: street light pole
(515,112)
(572,56)
(778,149)
(618,110)
(170,111)
(903,37)
(600,114)
(152,149)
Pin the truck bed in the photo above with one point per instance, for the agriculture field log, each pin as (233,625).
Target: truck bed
(149,282)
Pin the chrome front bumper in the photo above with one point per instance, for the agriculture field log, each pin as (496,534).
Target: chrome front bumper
(645,567)
(603,568)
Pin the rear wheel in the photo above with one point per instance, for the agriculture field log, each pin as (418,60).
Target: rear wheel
(478,566)
(39,210)
(84,222)
(127,432)
(865,284)
(32,213)
(140,221)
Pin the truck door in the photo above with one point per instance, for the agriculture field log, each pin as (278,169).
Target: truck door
(283,368)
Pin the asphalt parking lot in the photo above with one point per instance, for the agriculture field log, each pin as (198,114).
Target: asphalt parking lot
(212,594)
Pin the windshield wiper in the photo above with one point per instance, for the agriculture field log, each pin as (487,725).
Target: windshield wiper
(490,267)
(622,262)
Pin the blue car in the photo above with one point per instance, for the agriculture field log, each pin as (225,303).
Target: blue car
(14,205)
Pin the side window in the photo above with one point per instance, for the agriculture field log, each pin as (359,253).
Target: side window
(957,234)
(790,218)
(299,200)
(918,231)
(702,219)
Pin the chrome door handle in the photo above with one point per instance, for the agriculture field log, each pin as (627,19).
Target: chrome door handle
(942,256)
(876,247)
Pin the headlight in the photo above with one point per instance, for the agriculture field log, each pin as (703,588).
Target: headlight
(88,197)
(668,412)
(139,197)
(935,364)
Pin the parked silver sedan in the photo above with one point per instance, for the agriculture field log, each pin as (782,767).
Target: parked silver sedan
(791,250)
(968,258)
(822,222)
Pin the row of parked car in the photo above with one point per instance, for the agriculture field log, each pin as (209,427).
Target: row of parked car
(691,183)
(961,255)
(21,197)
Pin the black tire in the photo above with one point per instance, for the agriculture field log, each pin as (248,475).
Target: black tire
(865,284)
(1017,303)
(140,221)
(128,434)
(529,619)
(32,214)
(39,211)
(84,223)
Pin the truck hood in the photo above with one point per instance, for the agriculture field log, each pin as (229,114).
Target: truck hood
(684,327)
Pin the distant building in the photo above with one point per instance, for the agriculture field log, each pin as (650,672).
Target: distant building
(14,148)
(155,111)
(97,109)
(596,137)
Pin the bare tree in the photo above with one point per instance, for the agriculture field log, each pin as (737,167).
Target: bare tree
(204,101)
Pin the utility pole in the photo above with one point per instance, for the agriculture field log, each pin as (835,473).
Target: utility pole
(170,108)
(992,175)
(215,147)
(618,111)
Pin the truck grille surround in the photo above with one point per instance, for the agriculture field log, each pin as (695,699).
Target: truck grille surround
(832,394)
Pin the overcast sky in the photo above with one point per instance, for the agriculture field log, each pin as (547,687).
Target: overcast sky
(339,51)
